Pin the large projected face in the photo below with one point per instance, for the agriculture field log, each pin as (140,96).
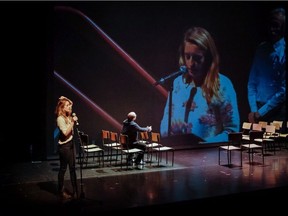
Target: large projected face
(108,58)
(203,101)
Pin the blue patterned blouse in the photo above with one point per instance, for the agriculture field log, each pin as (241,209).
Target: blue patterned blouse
(209,122)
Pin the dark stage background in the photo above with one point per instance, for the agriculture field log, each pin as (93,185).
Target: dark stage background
(53,50)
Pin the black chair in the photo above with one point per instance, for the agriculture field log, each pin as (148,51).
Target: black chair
(268,140)
(115,146)
(145,139)
(160,149)
(90,150)
(108,144)
(234,144)
(252,145)
(246,127)
(125,150)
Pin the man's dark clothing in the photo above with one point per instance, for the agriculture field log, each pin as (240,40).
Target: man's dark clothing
(131,129)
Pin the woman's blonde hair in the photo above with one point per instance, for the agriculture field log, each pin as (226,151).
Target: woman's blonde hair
(202,38)
(59,111)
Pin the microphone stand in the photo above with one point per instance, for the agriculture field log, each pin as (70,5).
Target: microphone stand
(82,197)
(170,109)
(81,156)
(182,70)
(170,102)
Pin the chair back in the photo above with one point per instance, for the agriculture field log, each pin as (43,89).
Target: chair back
(256,127)
(84,139)
(155,137)
(114,137)
(270,130)
(263,123)
(124,140)
(235,138)
(277,124)
(255,135)
(144,135)
(246,127)
(105,135)
(280,123)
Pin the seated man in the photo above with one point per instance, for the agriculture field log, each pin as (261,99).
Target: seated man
(131,129)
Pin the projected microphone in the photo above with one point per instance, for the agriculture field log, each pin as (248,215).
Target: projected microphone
(74,114)
(182,70)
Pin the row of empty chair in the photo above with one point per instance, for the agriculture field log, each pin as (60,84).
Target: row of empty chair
(114,148)
(261,125)
(153,144)
(254,138)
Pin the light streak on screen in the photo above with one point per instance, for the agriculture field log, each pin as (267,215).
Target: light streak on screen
(118,49)
(88,101)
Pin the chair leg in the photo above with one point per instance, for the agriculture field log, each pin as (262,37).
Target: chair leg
(229,157)
(159,156)
(110,157)
(262,157)
(218,156)
(101,158)
(166,157)
(116,158)
(149,155)
(121,160)
(126,161)
(241,158)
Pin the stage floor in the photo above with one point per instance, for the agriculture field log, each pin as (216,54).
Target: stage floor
(195,182)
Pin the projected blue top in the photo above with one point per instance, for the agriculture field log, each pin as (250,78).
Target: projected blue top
(211,122)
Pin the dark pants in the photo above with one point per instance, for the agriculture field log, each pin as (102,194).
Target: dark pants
(139,156)
(67,158)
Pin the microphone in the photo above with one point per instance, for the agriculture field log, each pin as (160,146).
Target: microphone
(183,69)
(74,114)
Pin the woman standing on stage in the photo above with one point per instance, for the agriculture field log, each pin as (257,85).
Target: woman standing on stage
(66,148)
